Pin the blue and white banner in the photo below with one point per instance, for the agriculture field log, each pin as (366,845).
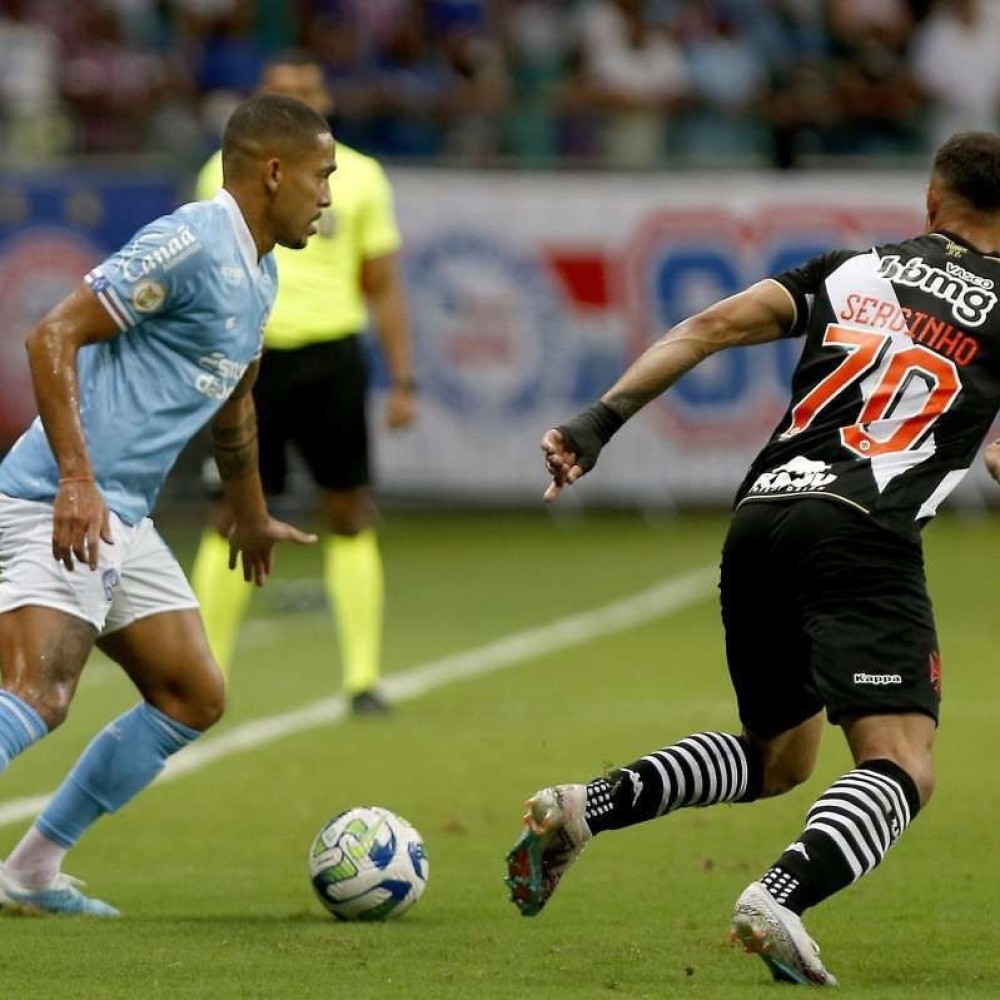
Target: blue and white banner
(54,227)
(529,294)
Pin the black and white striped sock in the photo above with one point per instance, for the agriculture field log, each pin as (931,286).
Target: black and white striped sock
(699,770)
(848,831)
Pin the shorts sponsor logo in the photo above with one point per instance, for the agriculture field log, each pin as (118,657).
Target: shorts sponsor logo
(148,296)
(797,476)
(878,680)
(970,302)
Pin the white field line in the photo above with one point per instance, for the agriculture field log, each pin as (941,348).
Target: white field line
(659,600)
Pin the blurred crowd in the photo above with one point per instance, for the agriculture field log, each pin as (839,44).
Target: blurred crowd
(623,83)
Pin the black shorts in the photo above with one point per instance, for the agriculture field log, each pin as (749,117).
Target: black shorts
(313,398)
(824,608)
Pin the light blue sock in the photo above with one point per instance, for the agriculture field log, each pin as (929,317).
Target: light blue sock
(20,726)
(120,762)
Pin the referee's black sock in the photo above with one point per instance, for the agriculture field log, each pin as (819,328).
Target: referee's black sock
(699,770)
(848,831)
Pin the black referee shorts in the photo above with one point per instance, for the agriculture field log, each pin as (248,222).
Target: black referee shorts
(313,398)
(824,608)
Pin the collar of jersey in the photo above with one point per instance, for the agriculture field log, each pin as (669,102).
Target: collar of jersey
(243,236)
(946,234)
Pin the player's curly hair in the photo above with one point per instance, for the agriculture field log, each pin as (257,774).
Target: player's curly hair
(969,165)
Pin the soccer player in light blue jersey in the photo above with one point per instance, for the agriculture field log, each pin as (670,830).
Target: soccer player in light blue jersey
(162,337)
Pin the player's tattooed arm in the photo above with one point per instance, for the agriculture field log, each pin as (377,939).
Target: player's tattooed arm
(763,312)
(234,432)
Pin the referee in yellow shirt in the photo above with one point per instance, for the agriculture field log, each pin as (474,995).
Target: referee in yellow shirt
(311,391)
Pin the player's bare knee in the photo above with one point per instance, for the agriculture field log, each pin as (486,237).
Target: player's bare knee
(208,704)
(348,513)
(51,703)
(348,523)
(783,775)
(198,702)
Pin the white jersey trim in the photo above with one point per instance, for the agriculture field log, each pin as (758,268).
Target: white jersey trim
(109,298)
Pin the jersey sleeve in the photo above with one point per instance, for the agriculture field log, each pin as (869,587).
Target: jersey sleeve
(153,274)
(803,283)
(378,233)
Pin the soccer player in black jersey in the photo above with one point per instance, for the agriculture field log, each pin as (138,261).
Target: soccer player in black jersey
(824,599)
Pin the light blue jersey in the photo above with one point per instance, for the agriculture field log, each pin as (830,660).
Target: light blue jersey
(191,301)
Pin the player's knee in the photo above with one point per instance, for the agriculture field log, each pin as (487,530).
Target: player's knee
(52,703)
(782,776)
(349,512)
(208,705)
(198,701)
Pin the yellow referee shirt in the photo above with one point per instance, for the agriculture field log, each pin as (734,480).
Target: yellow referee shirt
(319,291)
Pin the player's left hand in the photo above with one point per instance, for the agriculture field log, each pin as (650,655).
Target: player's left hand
(256,544)
(992,459)
(400,407)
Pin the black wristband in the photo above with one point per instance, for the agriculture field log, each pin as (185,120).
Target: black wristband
(588,432)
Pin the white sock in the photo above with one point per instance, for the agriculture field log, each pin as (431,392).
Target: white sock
(35,861)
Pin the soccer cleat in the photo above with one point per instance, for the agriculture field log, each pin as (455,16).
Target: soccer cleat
(63,897)
(766,928)
(555,833)
(369,702)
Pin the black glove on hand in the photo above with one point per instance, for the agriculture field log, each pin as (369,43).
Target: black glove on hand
(588,432)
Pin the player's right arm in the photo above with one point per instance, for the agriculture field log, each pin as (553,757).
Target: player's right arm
(253,532)
(80,516)
(763,312)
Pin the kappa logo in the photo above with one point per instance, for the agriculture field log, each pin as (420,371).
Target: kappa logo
(878,680)
(799,848)
(796,476)
(970,302)
(636,784)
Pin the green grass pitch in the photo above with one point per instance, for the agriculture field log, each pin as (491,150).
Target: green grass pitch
(210,869)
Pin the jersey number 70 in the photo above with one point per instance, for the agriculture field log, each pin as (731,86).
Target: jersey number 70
(904,389)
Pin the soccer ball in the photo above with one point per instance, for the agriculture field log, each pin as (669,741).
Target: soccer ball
(368,864)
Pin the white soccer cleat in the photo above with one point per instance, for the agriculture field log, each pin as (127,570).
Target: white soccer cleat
(555,834)
(766,928)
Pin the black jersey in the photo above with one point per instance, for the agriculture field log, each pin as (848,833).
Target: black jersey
(898,382)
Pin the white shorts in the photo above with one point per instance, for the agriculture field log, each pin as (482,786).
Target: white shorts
(136,577)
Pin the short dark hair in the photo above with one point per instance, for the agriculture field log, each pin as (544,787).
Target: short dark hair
(969,165)
(270,122)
